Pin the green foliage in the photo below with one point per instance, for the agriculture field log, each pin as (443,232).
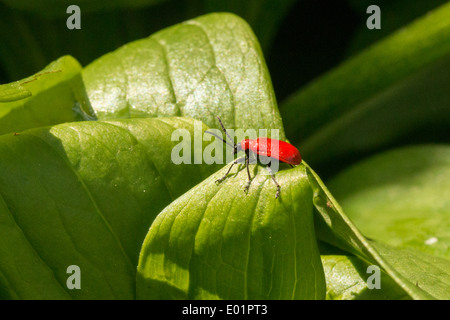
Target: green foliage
(54,95)
(216,242)
(347,280)
(203,68)
(377,98)
(86,176)
(85,194)
(404,189)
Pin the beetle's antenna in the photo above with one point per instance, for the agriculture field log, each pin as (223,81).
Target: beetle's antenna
(217,136)
(225,130)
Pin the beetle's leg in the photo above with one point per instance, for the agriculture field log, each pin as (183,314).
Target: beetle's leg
(238,160)
(273,178)
(247,160)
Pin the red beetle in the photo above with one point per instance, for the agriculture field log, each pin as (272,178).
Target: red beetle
(262,147)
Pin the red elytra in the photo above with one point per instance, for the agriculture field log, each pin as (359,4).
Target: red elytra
(276,149)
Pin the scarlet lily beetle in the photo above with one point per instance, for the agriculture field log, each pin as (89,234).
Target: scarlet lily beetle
(261,147)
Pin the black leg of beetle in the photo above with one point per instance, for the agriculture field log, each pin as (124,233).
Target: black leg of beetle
(247,160)
(238,160)
(273,178)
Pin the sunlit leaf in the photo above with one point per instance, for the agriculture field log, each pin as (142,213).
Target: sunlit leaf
(217,242)
(53,95)
(206,67)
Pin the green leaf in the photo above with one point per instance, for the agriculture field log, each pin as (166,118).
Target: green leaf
(206,67)
(428,273)
(334,227)
(85,194)
(347,280)
(378,97)
(52,96)
(217,242)
(400,197)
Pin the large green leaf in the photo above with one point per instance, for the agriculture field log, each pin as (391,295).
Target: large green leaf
(85,194)
(401,197)
(378,97)
(54,95)
(206,67)
(334,227)
(217,242)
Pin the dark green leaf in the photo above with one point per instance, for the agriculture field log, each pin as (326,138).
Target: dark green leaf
(394,15)
(413,109)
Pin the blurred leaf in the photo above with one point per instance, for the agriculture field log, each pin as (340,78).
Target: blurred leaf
(394,14)
(54,95)
(59,7)
(413,109)
(401,197)
(334,227)
(207,67)
(383,74)
(85,194)
(217,242)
